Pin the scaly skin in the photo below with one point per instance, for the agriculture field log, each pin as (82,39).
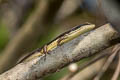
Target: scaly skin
(63,38)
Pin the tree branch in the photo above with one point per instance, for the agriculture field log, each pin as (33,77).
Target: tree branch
(83,46)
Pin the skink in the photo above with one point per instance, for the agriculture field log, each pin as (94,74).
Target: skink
(63,38)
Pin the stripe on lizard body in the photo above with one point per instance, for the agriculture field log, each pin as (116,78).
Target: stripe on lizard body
(61,39)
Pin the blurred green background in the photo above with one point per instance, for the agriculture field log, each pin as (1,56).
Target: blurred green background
(38,22)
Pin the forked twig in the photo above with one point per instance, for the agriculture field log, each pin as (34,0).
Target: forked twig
(117,71)
(108,62)
(84,65)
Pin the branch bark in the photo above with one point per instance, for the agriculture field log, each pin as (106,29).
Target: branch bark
(83,46)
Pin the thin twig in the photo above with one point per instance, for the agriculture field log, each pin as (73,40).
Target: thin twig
(84,65)
(117,71)
(108,62)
